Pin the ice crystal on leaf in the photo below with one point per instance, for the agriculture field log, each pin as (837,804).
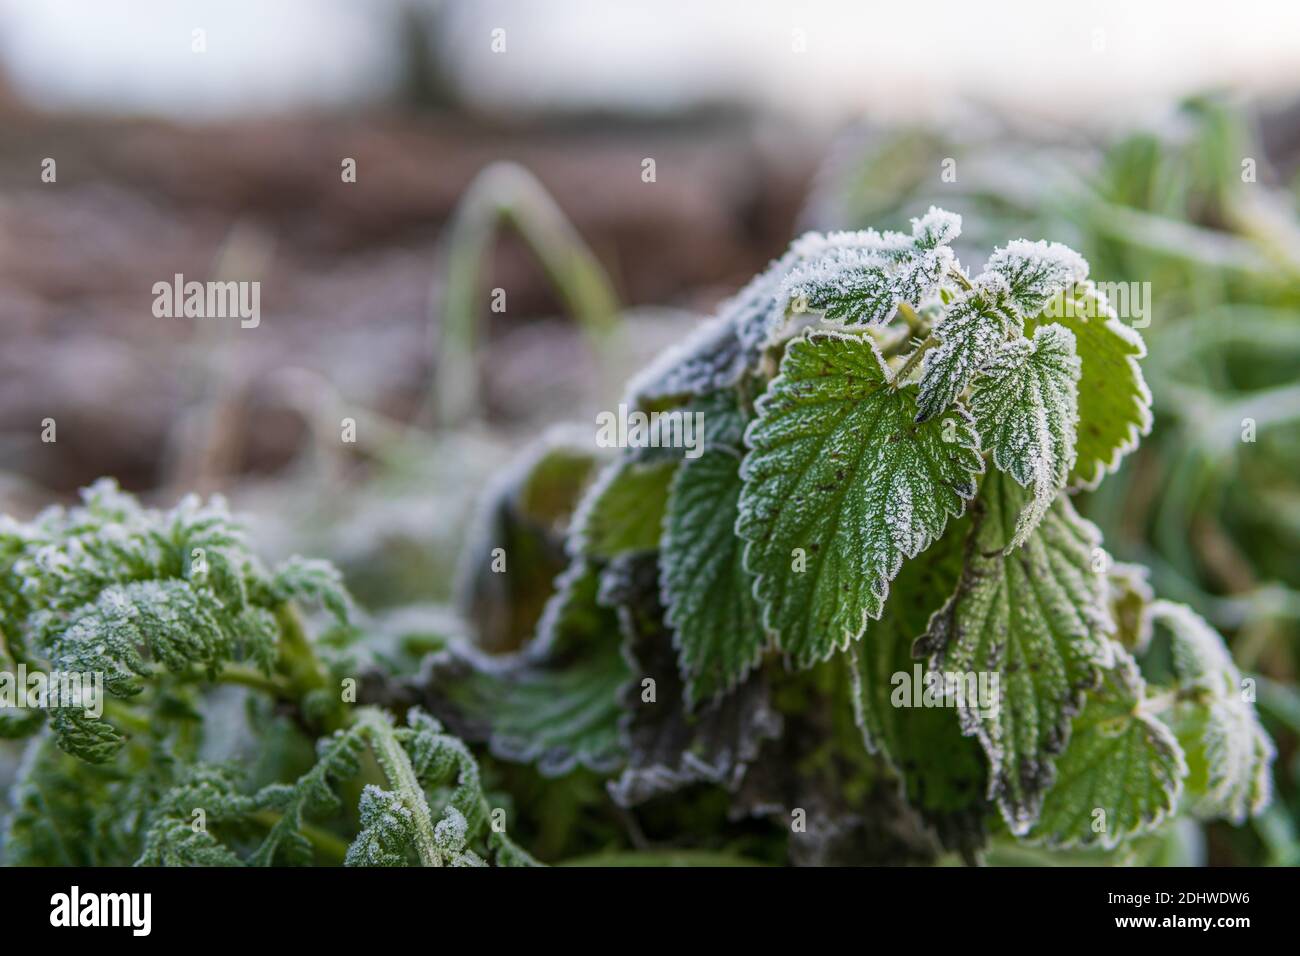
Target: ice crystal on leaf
(941,772)
(862,277)
(977,323)
(1025,406)
(1036,272)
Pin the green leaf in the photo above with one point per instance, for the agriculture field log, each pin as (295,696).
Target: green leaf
(555,702)
(709,596)
(862,277)
(722,350)
(1025,406)
(977,322)
(840,487)
(313,580)
(941,772)
(1114,401)
(1121,761)
(1037,617)
(623,510)
(1036,272)
(1228,751)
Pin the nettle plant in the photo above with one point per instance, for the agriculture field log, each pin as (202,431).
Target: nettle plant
(890,449)
(882,491)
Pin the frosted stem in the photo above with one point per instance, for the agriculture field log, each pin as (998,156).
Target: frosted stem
(401,777)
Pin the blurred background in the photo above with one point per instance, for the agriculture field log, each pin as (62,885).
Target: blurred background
(504,146)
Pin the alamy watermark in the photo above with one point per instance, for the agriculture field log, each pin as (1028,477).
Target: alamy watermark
(38,690)
(638,429)
(976,691)
(1130,300)
(209,300)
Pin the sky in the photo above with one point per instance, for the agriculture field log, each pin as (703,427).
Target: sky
(820,61)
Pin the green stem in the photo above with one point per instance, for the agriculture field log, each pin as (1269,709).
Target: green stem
(906,368)
(324,841)
(961,279)
(246,676)
(914,322)
(401,777)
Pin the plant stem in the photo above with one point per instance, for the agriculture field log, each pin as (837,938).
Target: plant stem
(905,369)
(324,841)
(914,322)
(401,777)
(246,676)
(961,279)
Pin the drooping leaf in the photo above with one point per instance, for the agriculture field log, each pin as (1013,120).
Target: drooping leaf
(840,487)
(508,568)
(1114,401)
(668,746)
(976,323)
(1229,754)
(709,596)
(941,772)
(623,510)
(1025,406)
(1037,617)
(862,277)
(555,702)
(722,350)
(1120,775)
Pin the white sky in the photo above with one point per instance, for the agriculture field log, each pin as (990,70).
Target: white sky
(1048,58)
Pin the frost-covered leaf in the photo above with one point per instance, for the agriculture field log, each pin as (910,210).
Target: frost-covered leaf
(112,588)
(312,580)
(1121,773)
(724,349)
(667,746)
(337,759)
(709,596)
(862,277)
(1037,617)
(977,322)
(553,703)
(173,840)
(1036,272)
(91,739)
(387,830)
(840,487)
(623,510)
(444,767)
(941,772)
(1114,401)
(1229,754)
(1025,406)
